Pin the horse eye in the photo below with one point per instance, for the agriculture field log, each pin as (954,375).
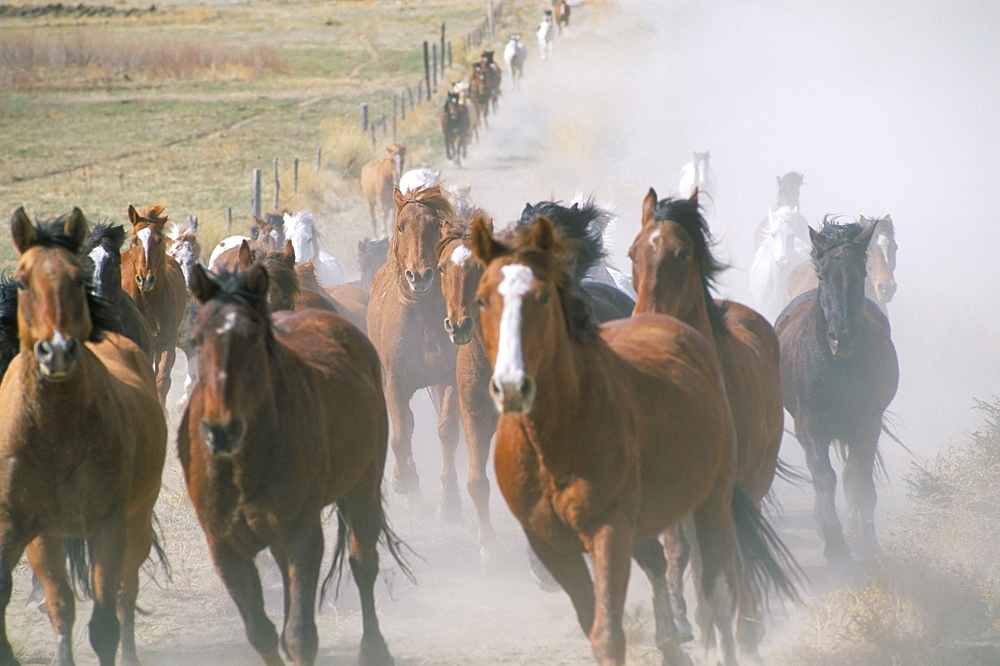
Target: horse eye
(479,303)
(21,285)
(441,270)
(544,298)
(399,228)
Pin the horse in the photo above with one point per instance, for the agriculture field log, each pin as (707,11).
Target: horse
(424,176)
(155,281)
(775,258)
(560,9)
(674,271)
(404,322)
(302,231)
(82,445)
(372,255)
(880,284)
(493,77)
(265,234)
(378,179)
(464,90)
(479,93)
(839,372)
(102,258)
(514,55)
(284,290)
(9,341)
(455,126)
(788,195)
(546,34)
(695,175)
(607,436)
(185,248)
(288,417)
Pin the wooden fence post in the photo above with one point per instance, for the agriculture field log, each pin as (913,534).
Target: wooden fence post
(427,68)
(229,218)
(319,156)
(394,112)
(277,184)
(255,202)
(434,66)
(442,50)
(295,176)
(364,116)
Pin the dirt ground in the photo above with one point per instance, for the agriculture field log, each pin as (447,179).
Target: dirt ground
(631,91)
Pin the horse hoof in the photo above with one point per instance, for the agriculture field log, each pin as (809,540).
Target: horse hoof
(449,512)
(406,483)
(375,653)
(684,631)
(543,579)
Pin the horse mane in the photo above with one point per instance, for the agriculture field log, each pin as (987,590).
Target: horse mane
(303,217)
(179,232)
(285,279)
(687,213)
(232,290)
(578,227)
(154,214)
(113,233)
(460,229)
(9,337)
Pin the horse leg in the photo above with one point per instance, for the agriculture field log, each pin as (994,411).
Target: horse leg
(107,550)
(164,365)
(569,569)
(716,535)
(239,575)
(139,543)
(12,545)
(611,549)
(450,510)
(824,481)
(281,560)
(371,213)
(405,480)
(479,421)
(650,556)
(859,486)
(47,558)
(678,553)
(299,561)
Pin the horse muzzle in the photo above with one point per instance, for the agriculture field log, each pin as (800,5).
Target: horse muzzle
(513,397)
(460,333)
(57,357)
(420,283)
(884,291)
(223,438)
(145,282)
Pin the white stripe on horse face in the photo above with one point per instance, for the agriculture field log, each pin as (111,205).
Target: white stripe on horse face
(228,325)
(461,254)
(883,246)
(509,367)
(653,237)
(98,255)
(144,237)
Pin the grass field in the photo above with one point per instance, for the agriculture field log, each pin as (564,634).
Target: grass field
(179,104)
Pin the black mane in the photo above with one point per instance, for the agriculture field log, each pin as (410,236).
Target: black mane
(576,228)
(105,234)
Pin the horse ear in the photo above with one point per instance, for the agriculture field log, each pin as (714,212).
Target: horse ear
(447,228)
(484,247)
(543,237)
(22,230)
(817,239)
(203,287)
(865,236)
(649,207)
(257,280)
(488,223)
(397,197)
(694,196)
(288,256)
(246,255)
(133,215)
(76,226)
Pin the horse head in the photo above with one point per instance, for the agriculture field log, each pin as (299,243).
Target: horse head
(149,246)
(788,189)
(396,154)
(882,259)
(372,255)
(781,223)
(460,273)
(419,218)
(301,231)
(839,257)
(184,248)
(102,258)
(232,334)
(53,304)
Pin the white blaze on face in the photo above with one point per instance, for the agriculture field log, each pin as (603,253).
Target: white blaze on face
(98,255)
(653,237)
(227,325)
(461,254)
(145,235)
(883,246)
(509,367)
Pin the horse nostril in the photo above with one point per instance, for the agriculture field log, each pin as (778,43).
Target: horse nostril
(150,280)
(43,350)
(138,280)
(409,275)
(495,389)
(72,349)
(428,275)
(447,325)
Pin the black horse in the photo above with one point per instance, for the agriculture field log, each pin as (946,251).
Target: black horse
(839,372)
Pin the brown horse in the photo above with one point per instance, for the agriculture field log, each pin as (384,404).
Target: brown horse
(284,291)
(155,281)
(82,443)
(455,125)
(378,180)
(266,235)
(287,418)
(673,272)
(479,92)
(839,372)
(493,78)
(404,322)
(560,9)
(607,437)
(349,300)
(372,255)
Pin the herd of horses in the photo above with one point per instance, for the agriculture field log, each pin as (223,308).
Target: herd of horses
(623,428)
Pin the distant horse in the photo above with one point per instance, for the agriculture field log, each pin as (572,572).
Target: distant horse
(455,125)
(82,445)
(607,437)
(493,78)
(780,251)
(674,271)
(514,55)
(464,90)
(265,234)
(372,255)
(479,92)
(302,231)
(788,195)
(546,34)
(378,178)
(696,175)
(155,281)
(839,373)
(102,258)
(185,248)
(422,177)
(404,322)
(284,289)
(287,418)
(560,9)
(880,285)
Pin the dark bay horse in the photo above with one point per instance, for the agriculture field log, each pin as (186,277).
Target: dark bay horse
(455,126)
(674,270)
(378,180)
(82,444)
(372,255)
(155,282)
(839,373)
(608,436)
(561,11)
(102,258)
(284,290)
(492,78)
(404,322)
(288,417)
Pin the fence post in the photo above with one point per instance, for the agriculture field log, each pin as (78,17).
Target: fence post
(319,156)
(255,202)
(449,54)
(229,218)
(434,66)
(394,111)
(295,176)
(373,136)
(427,68)
(385,124)
(409,93)
(277,184)
(402,106)
(442,50)
(364,116)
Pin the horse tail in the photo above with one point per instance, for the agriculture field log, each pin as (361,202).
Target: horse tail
(791,473)
(158,554)
(396,547)
(763,562)
(80,566)
(340,551)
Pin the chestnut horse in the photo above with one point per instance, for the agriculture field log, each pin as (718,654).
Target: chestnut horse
(455,125)
(284,291)
(560,9)
(673,270)
(266,235)
(404,322)
(839,372)
(287,418)
(155,281)
(82,444)
(492,77)
(378,180)
(608,436)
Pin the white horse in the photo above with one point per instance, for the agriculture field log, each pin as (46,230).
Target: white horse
(514,55)
(301,230)
(780,251)
(416,178)
(546,35)
(695,174)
